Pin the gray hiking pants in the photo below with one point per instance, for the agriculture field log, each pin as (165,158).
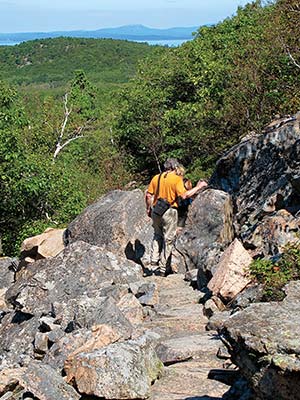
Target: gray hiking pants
(163,239)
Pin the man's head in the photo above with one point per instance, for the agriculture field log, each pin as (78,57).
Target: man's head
(171,164)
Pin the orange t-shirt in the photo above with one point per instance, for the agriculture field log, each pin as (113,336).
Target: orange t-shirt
(170,187)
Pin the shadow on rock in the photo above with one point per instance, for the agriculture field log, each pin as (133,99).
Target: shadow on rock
(135,251)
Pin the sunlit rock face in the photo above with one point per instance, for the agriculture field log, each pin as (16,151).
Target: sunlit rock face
(208,231)
(232,274)
(118,222)
(262,173)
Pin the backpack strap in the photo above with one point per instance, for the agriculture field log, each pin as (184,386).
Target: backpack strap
(157,188)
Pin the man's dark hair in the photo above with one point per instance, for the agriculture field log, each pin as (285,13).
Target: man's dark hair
(171,164)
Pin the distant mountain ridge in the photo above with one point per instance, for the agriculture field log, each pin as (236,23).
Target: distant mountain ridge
(126,32)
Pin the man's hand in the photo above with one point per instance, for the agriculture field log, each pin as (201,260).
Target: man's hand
(149,211)
(201,184)
(194,191)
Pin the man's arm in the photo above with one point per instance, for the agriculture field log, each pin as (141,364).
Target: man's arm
(148,201)
(194,190)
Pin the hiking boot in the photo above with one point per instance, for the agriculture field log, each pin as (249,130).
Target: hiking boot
(158,272)
(147,272)
(149,268)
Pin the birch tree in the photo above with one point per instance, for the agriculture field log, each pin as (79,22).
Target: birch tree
(78,112)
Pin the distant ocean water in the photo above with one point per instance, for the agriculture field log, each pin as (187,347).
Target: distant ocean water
(170,43)
(8,43)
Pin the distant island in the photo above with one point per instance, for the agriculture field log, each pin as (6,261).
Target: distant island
(127,32)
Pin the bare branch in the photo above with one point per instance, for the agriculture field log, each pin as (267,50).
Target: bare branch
(71,140)
(50,220)
(286,48)
(293,59)
(75,134)
(157,160)
(67,114)
(111,136)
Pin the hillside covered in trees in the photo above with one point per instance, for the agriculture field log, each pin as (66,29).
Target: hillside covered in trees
(52,61)
(79,117)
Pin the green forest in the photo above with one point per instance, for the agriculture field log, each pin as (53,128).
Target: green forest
(80,117)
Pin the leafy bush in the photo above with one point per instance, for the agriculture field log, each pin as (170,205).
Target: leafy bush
(274,275)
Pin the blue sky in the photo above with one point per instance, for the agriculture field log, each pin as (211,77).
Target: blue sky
(53,15)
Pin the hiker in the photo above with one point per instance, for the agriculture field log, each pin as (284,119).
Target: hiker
(161,198)
(183,206)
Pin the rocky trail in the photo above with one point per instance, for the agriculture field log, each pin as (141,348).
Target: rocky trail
(188,351)
(83,322)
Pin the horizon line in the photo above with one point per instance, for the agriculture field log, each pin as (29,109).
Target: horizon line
(99,29)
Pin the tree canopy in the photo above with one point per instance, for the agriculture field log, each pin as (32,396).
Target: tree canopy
(200,98)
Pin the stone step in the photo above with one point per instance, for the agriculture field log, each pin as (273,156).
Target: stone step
(168,328)
(188,380)
(169,282)
(176,296)
(177,321)
(188,351)
(201,347)
(174,290)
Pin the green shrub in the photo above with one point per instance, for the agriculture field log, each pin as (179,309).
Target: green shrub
(12,240)
(274,275)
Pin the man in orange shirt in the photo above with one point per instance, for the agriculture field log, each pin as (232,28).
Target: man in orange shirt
(168,186)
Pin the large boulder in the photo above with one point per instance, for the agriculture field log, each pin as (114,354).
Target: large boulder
(132,366)
(264,342)
(262,175)
(47,244)
(81,340)
(117,222)
(52,388)
(208,231)
(232,274)
(52,286)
